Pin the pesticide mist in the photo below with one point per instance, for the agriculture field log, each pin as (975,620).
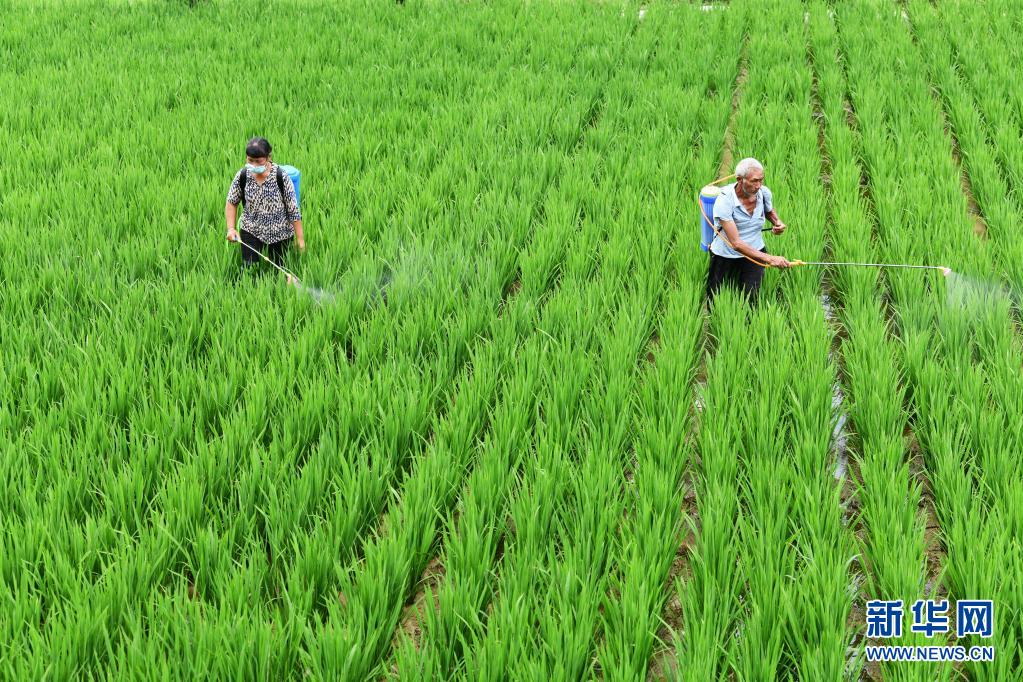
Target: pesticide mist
(413,271)
(973,294)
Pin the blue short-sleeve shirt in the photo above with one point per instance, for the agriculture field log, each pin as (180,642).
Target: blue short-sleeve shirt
(728,207)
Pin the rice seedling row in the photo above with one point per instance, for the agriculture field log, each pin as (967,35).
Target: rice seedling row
(476,529)
(651,529)
(995,435)
(813,630)
(506,637)
(984,68)
(706,618)
(575,564)
(883,174)
(521,552)
(892,542)
(582,549)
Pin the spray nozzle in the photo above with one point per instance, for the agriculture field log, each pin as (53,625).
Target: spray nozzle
(946,271)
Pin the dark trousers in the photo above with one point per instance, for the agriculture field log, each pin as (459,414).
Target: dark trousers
(740,272)
(275,252)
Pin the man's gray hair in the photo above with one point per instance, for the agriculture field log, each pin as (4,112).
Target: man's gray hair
(746,165)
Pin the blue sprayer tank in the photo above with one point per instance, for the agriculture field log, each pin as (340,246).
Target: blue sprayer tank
(295,176)
(708,195)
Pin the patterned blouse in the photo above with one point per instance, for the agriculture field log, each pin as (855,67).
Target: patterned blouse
(266,216)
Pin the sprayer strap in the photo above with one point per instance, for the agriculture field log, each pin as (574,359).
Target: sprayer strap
(280,185)
(721,234)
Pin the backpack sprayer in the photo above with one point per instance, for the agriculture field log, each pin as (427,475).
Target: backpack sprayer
(709,195)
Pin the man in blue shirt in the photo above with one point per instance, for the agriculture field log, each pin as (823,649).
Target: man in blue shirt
(737,253)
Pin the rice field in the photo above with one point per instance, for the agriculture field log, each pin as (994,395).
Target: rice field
(507,439)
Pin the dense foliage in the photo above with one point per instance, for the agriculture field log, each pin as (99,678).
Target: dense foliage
(512,443)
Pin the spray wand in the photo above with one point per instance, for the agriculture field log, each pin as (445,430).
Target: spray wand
(292,277)
(944,270)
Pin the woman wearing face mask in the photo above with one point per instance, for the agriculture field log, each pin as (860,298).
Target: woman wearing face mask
(271,219)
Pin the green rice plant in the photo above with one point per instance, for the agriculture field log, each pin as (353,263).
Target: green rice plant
(631,621)
(557,314)
(990,82)
(979,154)
(204,476)
(983,73)
(519,397)
(934,360)
(371,614)
(593,507)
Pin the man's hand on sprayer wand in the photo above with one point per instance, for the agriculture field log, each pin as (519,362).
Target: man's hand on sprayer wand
(232,235)
(778,261)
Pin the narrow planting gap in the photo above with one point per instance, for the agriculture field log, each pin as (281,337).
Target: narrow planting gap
(847,473)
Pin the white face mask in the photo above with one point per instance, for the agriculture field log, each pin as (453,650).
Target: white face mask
(258,170)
